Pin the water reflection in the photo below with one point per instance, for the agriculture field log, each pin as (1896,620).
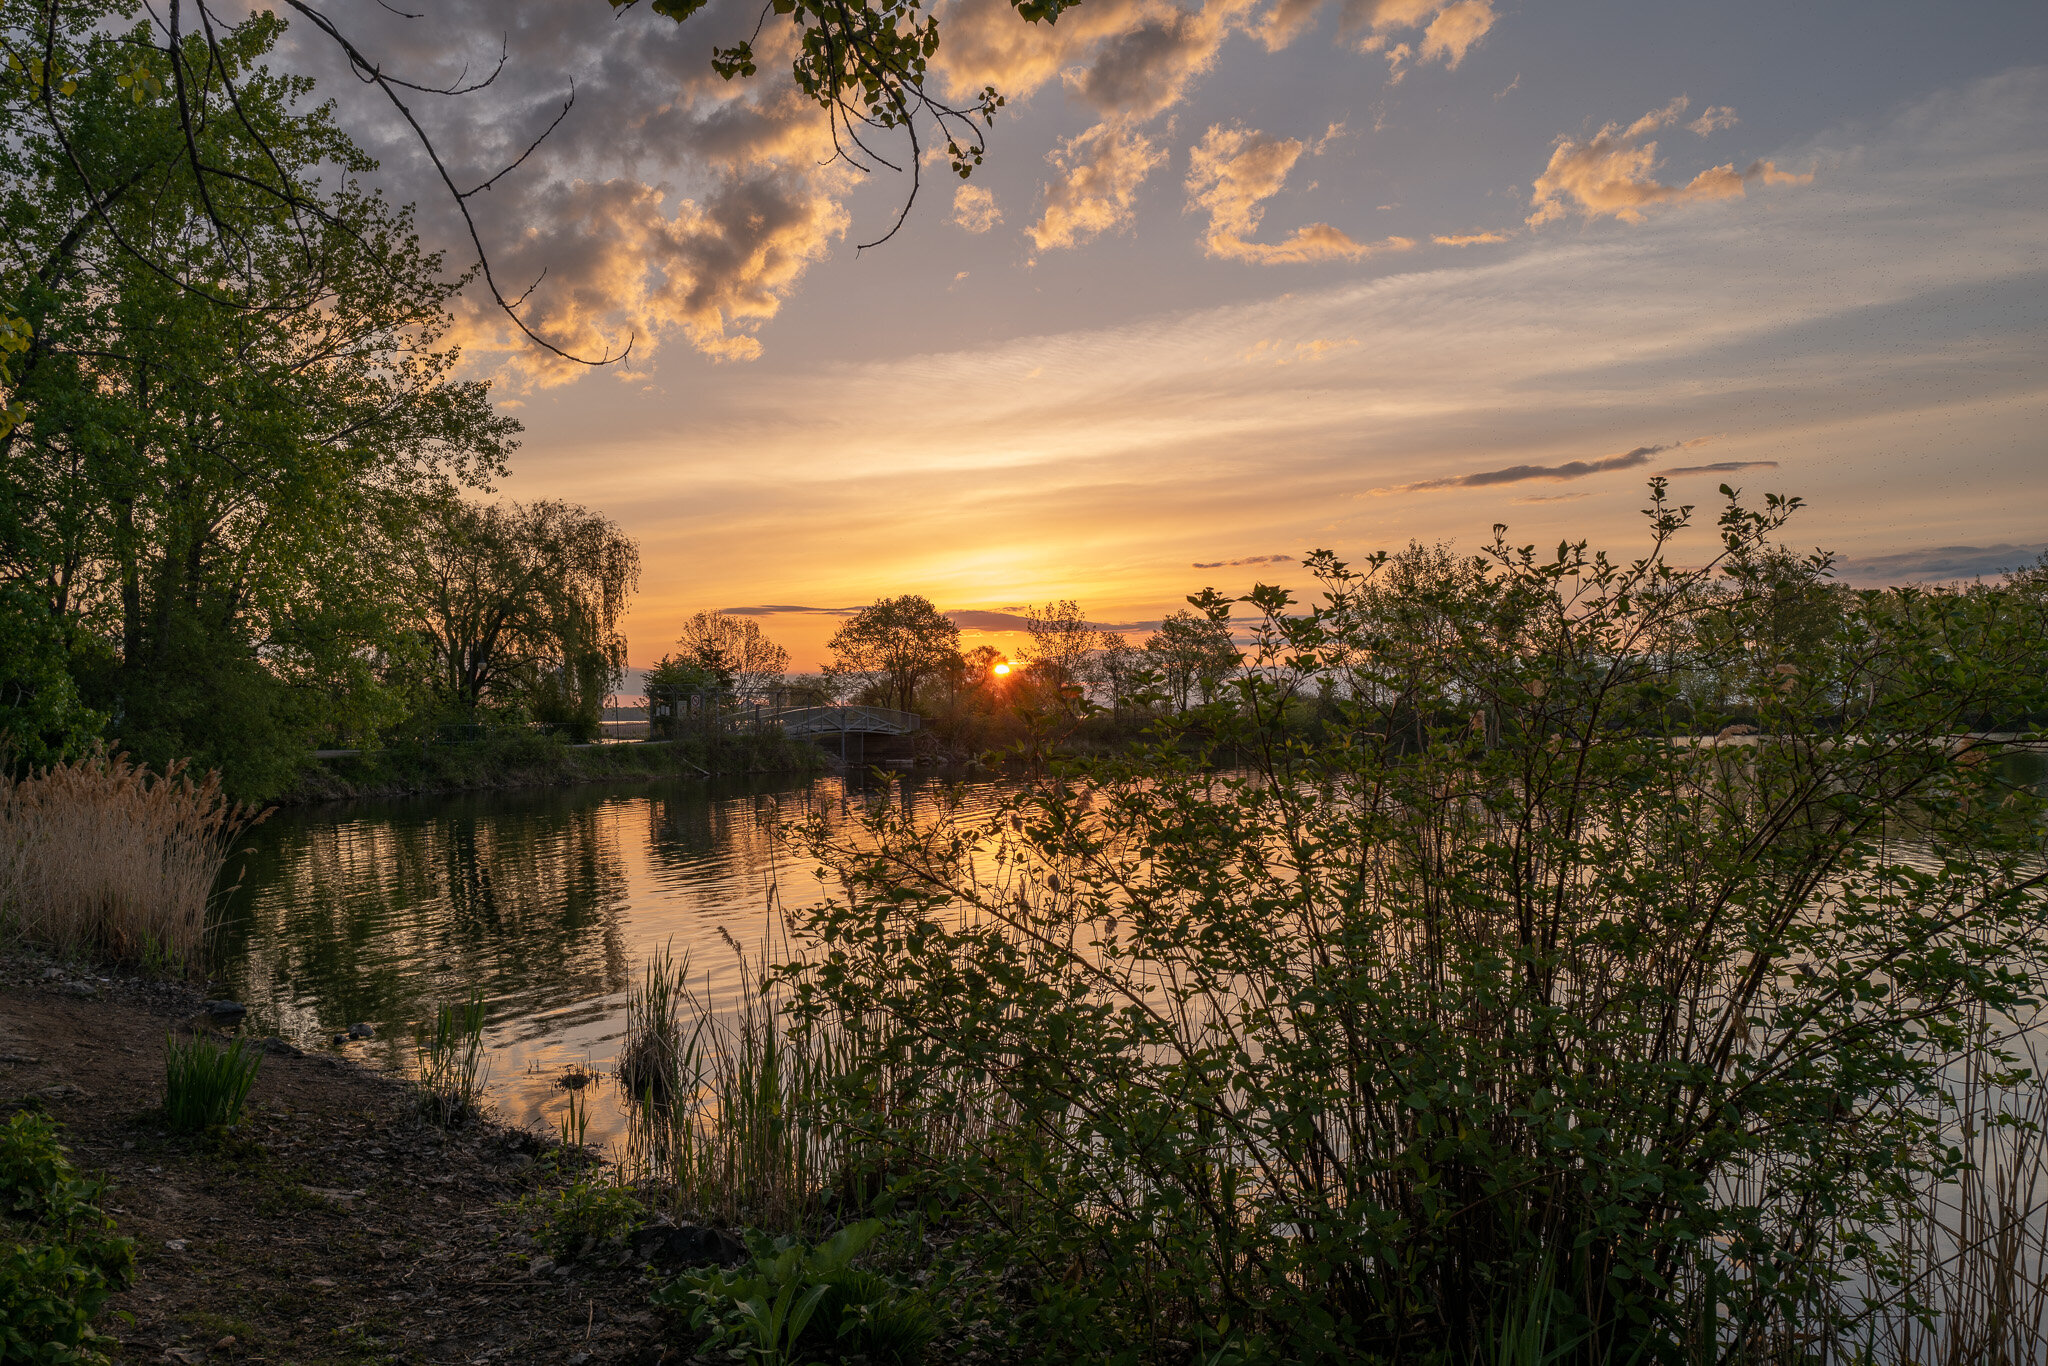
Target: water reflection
(547,902)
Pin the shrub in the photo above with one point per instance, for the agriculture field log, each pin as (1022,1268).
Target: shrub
(205,1083)
(59,1258)
(1509,979)
(569,1222)
(453,1066)
(101,858)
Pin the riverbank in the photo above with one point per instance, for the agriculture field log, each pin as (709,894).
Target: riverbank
(517,760)
(332,1225)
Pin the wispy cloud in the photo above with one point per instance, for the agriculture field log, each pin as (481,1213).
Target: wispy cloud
(1517,474)
(1470,239)
(1099,173)
(1721,467)
(1246,560)
(1936,564)
(784,609)
(975,209)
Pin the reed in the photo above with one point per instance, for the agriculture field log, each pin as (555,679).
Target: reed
(102,859)
(452,1067)
(207,1083)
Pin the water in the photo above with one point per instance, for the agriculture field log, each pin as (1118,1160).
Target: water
(547,901)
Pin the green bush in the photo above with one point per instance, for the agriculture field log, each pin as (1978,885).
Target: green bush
(800,1304)
(1511,973)
(571,1221)
(61,1260)
(205,1084)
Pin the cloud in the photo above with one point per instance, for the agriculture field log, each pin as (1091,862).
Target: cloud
(1275,352)
(1516,474)
(975,209)
(1231,173)
(1529,498)
(1100,172)
(1456,29)
(1471,239)
(777,609)
(1146,69)
(1939,563)
(976,619)
(1614,172)
(1240,563)
(620,261)
(1717,117)
(1722,467)
(1405,32)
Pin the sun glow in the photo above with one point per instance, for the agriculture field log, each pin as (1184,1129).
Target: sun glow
(1000,670)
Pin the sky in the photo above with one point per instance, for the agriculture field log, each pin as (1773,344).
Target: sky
(1246,278)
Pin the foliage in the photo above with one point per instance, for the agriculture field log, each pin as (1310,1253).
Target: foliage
(101,858)
(206,1083)
(1062,640)
(59,1259)
(570,1221)
(43,720)
(235,397)
(451,1062)
(521,605)
(799,1304)
(897,642)
(1194,656)
(734,651)
(1508,976)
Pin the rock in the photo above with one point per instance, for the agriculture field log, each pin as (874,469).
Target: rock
(174,1245)
(540,1266)
(278,1046)
(359,1030)
(689,1245)
(226,1012)
(52,974)
(81,988)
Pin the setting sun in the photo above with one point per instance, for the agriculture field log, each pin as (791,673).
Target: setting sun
(1000,670)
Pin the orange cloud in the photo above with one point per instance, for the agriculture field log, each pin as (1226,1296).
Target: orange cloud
(974,208)
(1231,173)
(1100,172)
(1471,239)
(1614,172)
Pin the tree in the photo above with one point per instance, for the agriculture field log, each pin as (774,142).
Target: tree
(897,642)
(735,650)
(1061,641)
(1119,667)
(235,391)
(520,605)
(1194,654)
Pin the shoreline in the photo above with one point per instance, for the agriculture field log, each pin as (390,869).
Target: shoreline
(331,1225)
(526,761)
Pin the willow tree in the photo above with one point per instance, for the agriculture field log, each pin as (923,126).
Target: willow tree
(520,605)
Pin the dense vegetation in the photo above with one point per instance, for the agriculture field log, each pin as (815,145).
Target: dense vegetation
(236,516)
(1502,1015)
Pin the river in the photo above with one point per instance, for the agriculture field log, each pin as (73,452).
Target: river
(548,901)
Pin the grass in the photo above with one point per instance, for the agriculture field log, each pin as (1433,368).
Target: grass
(206,1084)
(453,1067)
(104,860)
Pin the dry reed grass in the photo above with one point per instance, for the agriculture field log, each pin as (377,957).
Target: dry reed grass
(103,859)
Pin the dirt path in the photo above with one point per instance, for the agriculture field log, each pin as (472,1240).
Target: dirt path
(332,1228)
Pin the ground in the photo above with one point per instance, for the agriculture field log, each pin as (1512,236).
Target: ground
(332,1226)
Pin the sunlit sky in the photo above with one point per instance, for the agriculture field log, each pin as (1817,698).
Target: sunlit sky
(1251,277)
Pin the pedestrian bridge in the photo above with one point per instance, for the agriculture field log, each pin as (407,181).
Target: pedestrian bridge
(830,721)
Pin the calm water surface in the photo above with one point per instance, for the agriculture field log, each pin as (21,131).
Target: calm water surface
(550,902)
